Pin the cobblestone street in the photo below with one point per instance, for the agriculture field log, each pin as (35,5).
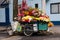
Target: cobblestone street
(54,36)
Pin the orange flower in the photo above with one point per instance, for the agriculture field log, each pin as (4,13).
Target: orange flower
(26,12)
(50,24)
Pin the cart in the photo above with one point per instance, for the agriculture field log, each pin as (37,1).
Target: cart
(28,28)
(28,13)
(33,27)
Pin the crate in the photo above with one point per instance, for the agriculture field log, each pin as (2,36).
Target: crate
(43,26)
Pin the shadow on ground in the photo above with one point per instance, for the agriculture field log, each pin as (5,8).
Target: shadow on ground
(41,37)
(33,37)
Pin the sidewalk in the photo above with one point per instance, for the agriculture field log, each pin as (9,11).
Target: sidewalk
(55,29)
(3,28)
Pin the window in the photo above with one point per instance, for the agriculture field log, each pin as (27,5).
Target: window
(36,5)
(55,8)
(59,8)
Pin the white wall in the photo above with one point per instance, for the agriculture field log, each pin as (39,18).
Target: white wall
(2,12)
(11,10)
(32,3)
(53,17)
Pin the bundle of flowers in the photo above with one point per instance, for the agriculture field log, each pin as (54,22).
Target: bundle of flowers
(28,14)
(34,14)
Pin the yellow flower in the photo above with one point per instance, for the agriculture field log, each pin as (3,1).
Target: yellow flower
(37,18)
(41,18)
(46,19)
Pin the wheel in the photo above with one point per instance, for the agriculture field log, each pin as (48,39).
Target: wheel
(28,30)
(9,30)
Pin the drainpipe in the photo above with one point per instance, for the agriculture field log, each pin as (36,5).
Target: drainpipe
(44,5)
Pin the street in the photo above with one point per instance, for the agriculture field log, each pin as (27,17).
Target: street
(54,36)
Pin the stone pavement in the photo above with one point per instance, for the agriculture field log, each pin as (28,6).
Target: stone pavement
(55,36)
(2,28)
(55,29)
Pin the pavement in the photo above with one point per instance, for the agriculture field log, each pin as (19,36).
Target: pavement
(3,28)
(55,29)
(54,36)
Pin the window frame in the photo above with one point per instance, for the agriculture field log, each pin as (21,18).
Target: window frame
(51,8)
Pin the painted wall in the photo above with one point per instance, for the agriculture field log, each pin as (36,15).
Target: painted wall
(32,3)
(11,10)
(53,17)
(2,12)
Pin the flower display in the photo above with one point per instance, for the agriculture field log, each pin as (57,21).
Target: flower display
(34,13)
(50,24)
(27,18)
(28,14)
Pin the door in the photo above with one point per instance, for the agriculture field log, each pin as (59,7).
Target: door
(4,16)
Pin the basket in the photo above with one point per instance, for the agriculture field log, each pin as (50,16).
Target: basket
(43,26)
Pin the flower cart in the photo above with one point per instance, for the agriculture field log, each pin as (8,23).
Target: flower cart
(30,20)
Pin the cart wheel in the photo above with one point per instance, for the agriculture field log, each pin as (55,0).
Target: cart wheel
(9,31)
(28,31)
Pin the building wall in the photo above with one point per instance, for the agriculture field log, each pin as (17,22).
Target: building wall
(32,3)
(11,10)
(53,17)
(4,14)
